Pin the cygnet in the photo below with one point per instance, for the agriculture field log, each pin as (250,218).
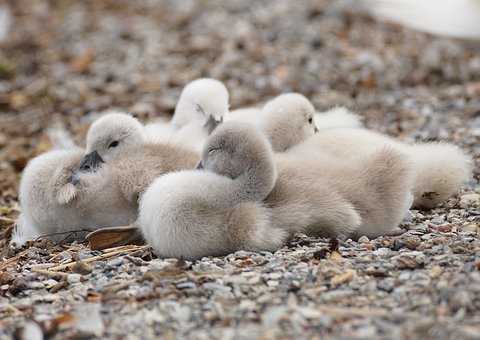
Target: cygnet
(331,197)
(288,120)
(209,94)
(439,168)
(202,102)
(117,142)
(218,210)
(53,201)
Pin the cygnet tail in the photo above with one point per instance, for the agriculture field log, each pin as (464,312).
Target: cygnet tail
(440,171)
(454,18)
(338,117)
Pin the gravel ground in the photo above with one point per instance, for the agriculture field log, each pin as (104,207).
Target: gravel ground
(63,62)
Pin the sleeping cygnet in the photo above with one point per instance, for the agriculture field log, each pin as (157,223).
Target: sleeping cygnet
(53,201)
(201,106)
(439,169)
(218,210)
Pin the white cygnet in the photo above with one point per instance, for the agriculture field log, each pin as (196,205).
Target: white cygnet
(218,210)
(439,168)
(288,120)
(330,197)
(119,141)
(202,103)
(53,201)
(205,94)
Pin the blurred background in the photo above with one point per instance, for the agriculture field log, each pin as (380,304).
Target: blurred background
(63,62)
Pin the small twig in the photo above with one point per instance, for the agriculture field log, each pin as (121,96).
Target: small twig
(7,262)
(49,273)
(352,311)
(98,257)
(6,220)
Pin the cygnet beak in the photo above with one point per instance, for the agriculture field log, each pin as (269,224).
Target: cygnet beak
(199,166)
(74,179)
(315,129)
(211,123)
(91,162)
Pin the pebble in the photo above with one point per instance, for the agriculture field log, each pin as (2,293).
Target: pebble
(74,278)
(470,200)
(363,239)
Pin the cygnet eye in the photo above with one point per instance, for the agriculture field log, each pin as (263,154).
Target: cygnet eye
(113,144)
(212,151)
(310,120)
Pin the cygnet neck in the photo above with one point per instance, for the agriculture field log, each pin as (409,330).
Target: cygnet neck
(258,180)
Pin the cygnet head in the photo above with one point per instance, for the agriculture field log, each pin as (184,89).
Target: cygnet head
(111,135)
(288,120)
(200,99)
(241,152)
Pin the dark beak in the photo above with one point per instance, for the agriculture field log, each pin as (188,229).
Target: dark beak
(211,123)
(74,179)
(199,166)
(91,162)
(315,129)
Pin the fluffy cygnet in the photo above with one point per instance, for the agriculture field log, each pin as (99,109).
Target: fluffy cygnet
(288,120)
(119,141)
(202,102)
(196,213)
(439,168)
(113,134)
(205,94)
(330,197)
(53,201)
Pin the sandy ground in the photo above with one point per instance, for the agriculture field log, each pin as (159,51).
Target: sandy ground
(64,62)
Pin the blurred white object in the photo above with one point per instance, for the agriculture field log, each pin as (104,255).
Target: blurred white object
(5,22)
(453,18)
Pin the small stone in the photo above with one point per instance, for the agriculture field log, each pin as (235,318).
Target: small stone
(472,227)
(6,278)
(342,278)
(470,200)
(363,239)
(186,285)
(382,252)
(74,278)
(18,285)
(410,260)
(29,331)
(438,220)
(82,268)
(386,285)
